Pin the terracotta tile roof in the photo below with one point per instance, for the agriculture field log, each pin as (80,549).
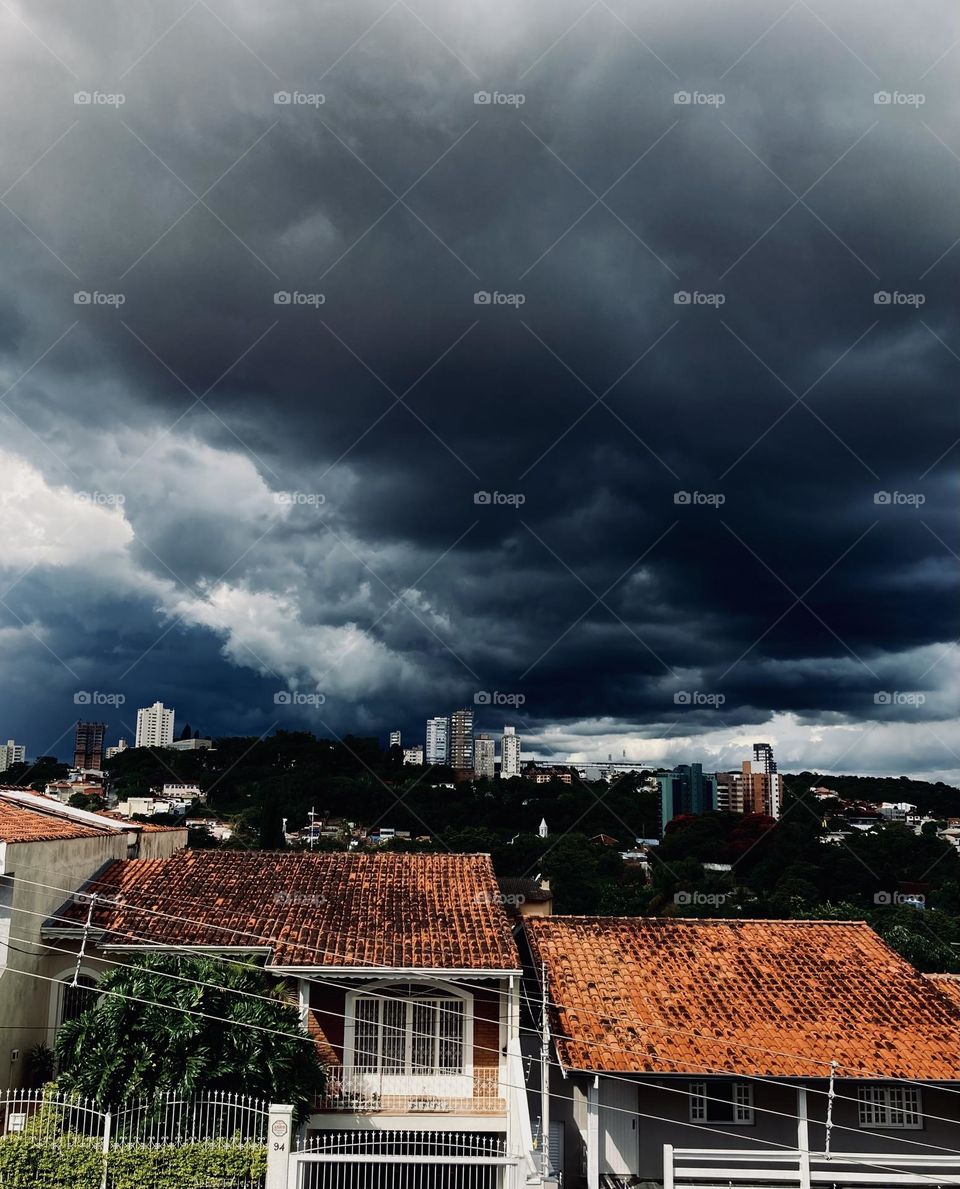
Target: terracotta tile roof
(146,827)
(947,984)
(19,824)
(766,998)
(431,912)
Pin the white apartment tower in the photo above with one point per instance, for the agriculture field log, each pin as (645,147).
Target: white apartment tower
(154,726)
(438,741)
(509,754)
(12,753)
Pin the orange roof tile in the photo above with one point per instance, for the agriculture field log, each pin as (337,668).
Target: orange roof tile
(948,984)
(19,824)
(764,998)
(385,911)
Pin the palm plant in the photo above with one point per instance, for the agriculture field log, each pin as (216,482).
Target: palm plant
(229,1028)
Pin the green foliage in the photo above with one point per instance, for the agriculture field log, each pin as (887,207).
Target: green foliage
(186,1166)
(76,1162)
(69,1163)
(234,1031)
(39,1066)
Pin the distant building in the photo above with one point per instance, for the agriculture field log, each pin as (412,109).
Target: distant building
(394,738)
(413,755)
(484,757)
(772,782)
(545,773)
(11,753)
(194,744)
(438,740)
(687,789)
(461,739)
(509,753)
(115,751)
(88,745)
(897,811)
(183,792)
(154,726)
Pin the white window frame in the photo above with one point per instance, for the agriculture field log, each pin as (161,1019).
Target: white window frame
(700,1097)
(382,990)
(889,1108)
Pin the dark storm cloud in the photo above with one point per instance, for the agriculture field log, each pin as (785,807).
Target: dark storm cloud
(799,402)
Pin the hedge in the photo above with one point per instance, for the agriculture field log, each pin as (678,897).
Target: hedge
(77,1163)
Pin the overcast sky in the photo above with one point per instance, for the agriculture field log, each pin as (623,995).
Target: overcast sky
(722,472)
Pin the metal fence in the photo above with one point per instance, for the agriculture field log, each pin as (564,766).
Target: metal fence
(208,1118)
(60,1124)
(361,1159)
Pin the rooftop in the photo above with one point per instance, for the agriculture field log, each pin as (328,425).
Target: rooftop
(39,822)
(336,911)
(763,998)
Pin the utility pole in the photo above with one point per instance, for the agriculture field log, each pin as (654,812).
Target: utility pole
(312,815)
(544,1076)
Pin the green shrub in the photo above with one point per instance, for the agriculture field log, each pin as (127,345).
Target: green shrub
(186,1166)
(26,1163)
(77,1163)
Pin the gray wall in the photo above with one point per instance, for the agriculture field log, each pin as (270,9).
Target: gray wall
(663,1118)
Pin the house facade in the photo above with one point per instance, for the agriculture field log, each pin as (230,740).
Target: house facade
(692,1052)
(407,976)
(47,849)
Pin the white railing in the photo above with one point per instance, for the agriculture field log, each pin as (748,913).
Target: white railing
(362,1090)
(216,1117)
(211,1118)
(410,1145)
(49,1117)
(360,1159)
(700,1168)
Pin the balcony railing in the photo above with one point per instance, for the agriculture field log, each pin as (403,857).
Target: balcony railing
(361,1091)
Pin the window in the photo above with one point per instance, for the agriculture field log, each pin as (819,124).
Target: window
(74,1001)
(418,1031)
(721,1102)
(889,1106)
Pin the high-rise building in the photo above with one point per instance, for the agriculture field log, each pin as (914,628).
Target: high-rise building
(413,755)
(461,739)
(772,782)
(154,726)
(11,753)
(115,751)
(509,753)
(687,789)
(88,745)
(438,740)
(394,738)
(484,763)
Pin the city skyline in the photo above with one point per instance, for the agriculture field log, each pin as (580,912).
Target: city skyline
(609,379)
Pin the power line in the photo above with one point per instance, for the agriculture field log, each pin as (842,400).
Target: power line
(553,1063)
(317,950)
(713,1130)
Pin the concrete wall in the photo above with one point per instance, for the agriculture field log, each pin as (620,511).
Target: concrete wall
(161,844)
(25,1001)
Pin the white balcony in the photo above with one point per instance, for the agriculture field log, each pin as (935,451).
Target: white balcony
(364,1091)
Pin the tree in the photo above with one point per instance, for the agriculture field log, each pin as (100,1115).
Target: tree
(229,1028)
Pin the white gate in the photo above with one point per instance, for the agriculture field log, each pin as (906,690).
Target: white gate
(401,1160)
